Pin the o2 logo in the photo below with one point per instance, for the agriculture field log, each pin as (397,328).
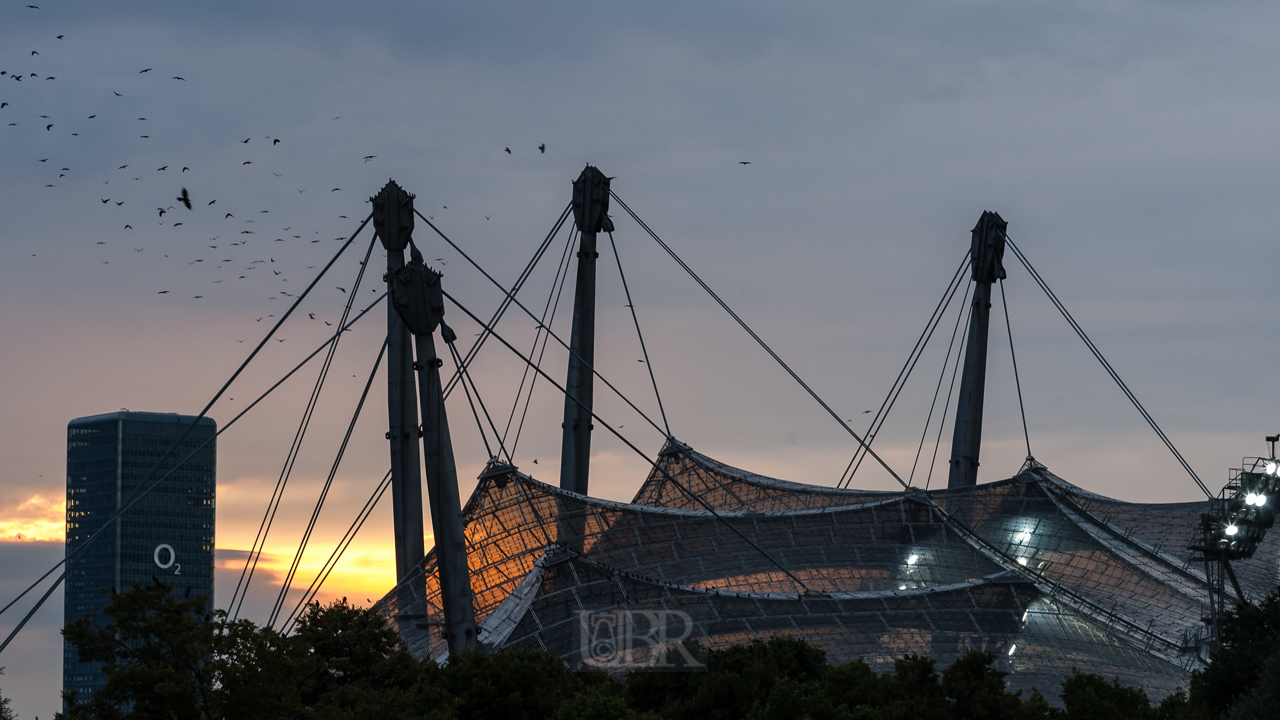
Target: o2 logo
(164,550)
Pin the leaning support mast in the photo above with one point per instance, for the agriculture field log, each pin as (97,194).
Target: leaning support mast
(591,212)
(419,299)
(986,253)
(393,221)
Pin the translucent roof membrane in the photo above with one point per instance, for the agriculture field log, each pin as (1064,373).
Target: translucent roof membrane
(1034,569)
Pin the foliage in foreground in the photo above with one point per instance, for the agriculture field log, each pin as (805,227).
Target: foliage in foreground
(166,658)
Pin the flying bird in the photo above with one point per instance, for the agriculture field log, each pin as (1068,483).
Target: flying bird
(276,141)
(162,169)
(336,190)
(33,52)
(228,215)
(507,149)
(130,227)
(212,202)
(117,94)
(162,211)
(743,162)
(247,162)
(144,71)
(163,292)
(185,168)
(49,126)
(92,117)
(344,290)
(175,77)
(119,168)
(184,198)
(367,158)
(104,202)
(245,140)
(542,148)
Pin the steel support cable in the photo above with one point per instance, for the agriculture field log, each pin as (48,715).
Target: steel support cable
(524,276)
(468,380)
(955,372)
(653,463)
(277,496)
(135,495)
(557,286)
(1106,365)
(526,310)
(933,404)
(882,414)
(223,429)
(1016,380)
(546,340)
(756,337)
(338,551)
(631,304)
(346,312)
(324,492)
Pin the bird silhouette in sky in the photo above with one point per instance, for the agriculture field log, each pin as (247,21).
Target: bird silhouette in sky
(184,198)
(144,71)
(507,149)
(175,77)
(542,148)
(743,162)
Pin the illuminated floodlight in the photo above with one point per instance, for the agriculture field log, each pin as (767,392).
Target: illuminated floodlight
(913,559)
(1232,530)
(1250,498)
(1024,615)
(1271,468)
(1012,648)
(1024,536)
(1022,562)
(902,587)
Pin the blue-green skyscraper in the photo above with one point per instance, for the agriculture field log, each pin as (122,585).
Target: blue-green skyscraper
(167,536)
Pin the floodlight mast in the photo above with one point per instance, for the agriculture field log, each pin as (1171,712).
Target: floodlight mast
(591,213)
(986,253)
(393,222)
(419,299)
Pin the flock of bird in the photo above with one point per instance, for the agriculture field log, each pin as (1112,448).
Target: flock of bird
(247,244)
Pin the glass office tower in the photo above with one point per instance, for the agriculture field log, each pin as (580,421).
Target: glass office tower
(166,536)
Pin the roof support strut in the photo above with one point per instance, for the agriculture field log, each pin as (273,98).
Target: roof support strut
(419,299)
(393,221)
(591,212)
(986,252)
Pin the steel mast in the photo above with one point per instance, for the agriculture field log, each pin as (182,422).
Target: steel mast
(986,253)
(591,212)
(393,222)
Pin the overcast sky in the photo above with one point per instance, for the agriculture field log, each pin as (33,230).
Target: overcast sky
(1131,146)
